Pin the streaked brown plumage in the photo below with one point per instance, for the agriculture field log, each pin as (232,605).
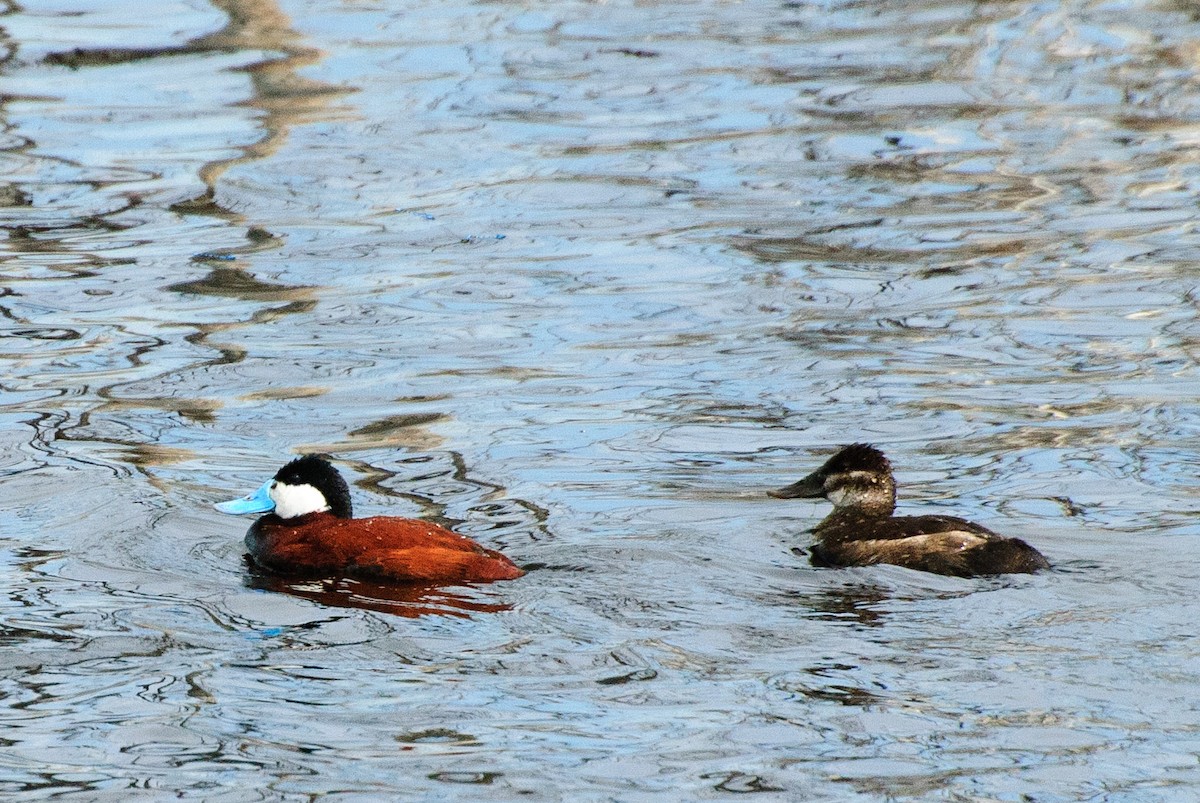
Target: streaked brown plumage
(861,530)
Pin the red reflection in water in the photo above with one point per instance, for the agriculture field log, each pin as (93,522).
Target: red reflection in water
(402,600)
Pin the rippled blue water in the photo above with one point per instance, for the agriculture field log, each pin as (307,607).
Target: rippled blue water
(585,279)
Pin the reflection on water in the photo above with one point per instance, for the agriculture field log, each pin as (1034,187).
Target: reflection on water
(404,600)
(585,280)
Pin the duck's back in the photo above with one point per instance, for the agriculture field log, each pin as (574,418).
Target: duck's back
(939,544)
(414,550)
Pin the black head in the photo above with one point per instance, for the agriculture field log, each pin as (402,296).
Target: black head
(857,457)
(316,471)
(858,476)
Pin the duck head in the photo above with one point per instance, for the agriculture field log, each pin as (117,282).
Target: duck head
(308,484)
(858,476)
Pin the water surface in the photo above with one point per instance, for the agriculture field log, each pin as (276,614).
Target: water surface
(584,280)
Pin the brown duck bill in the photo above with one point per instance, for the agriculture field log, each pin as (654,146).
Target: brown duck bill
(811,487)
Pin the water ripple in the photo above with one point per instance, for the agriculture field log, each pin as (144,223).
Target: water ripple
(583,281)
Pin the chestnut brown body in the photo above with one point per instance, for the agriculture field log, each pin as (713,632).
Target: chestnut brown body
(380,548)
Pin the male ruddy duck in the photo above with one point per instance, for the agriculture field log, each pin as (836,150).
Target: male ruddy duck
(311,532)
(862,531)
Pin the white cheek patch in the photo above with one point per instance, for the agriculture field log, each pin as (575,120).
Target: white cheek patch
(838,495)
(853,488)
(296,500)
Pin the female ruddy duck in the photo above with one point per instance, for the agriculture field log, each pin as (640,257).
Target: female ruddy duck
(311,532)
(862,531)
